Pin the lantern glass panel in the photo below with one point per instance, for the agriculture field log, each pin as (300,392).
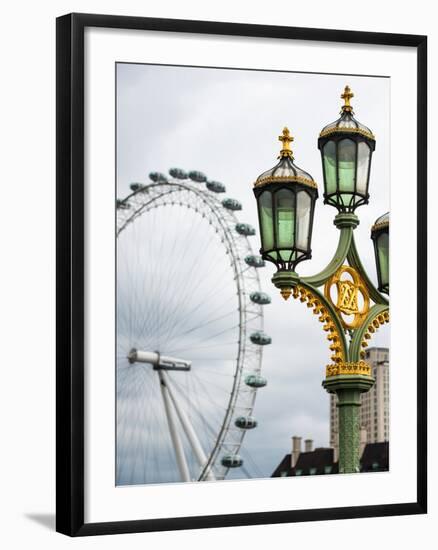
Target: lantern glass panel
(363,162)
(266,225)
(346,165)
(303,220)
(329,156)
(383,255)
(274,256)
(285,219)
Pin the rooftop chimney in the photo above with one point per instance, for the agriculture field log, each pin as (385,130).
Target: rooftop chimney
(296,450)
(308,445)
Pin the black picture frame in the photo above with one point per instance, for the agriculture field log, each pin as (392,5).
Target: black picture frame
(70,273)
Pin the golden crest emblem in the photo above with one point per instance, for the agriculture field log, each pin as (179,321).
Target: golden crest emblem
(352,298)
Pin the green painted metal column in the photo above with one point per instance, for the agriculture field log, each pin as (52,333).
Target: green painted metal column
(348,388)
(349,430)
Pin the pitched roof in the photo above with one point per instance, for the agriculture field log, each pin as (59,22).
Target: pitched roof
(374,458)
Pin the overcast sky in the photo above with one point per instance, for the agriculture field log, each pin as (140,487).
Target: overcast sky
(226,123)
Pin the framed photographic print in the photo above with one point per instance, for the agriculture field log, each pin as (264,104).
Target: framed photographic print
(226,352)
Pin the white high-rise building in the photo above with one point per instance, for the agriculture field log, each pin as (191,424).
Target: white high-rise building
(374,412)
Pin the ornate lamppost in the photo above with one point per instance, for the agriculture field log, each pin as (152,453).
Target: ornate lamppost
(348,305)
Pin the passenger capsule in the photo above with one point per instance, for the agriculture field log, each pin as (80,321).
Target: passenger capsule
(260,338)
(197,176)
(158,177)
(245,422)
(178,173)
(260,298)
(231,461)
(255,261)
(255,381)
(231,204)
(245,229)
(122,205)
(216,186)
(136,186)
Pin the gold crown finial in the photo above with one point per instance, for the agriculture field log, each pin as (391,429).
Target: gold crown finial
(286,139)
(346,96)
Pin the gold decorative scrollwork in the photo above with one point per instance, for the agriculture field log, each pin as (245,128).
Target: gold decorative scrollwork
(379,319)
(359,367)
(340,130)
(380,225)
(324,316)
(348,292)
(288,179)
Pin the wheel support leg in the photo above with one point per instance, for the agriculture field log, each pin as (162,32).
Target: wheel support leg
(176,440)
(187,426)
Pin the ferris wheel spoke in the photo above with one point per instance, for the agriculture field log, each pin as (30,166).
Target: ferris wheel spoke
(192,289)
(149,420)
(250,460)
(195,380)
(127,394)
(168,279)
(212,336)
(207,321)
(201,275)
(210,346)
(128,420)
(172,277)
(209,287)
(215,372)
(139,401)
(197,309)
(199,420)
(130,390)
(212,384)
(189,290)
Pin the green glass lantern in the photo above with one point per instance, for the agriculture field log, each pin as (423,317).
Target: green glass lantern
(346,148)
(380,237)
(286,198)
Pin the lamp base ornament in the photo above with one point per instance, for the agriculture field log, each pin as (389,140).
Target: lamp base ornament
(359,367)
(285,281)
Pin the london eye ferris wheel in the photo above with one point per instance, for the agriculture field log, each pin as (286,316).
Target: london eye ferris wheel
(189,331)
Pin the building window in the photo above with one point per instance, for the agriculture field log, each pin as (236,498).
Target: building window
(312,471)
(298,472)
(327,469)
(283,473)
(375,466)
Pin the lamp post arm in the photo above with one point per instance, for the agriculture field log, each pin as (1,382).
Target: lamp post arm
(377,315)
(344,244)
(331,322)
(354,261)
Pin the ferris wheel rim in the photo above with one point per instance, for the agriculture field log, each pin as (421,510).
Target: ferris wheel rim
(226,224)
